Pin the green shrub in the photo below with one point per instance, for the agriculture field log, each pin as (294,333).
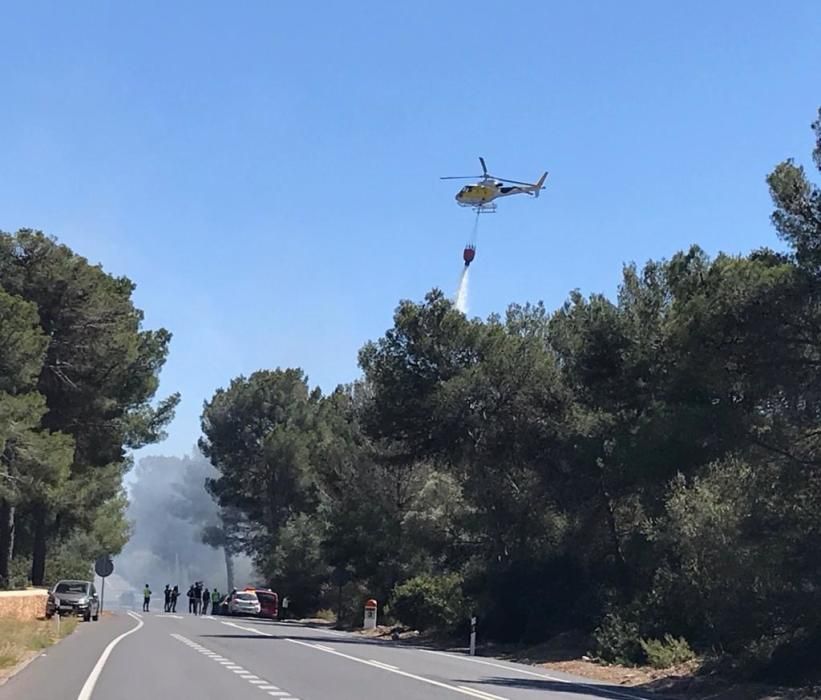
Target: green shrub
(19,573)
(617,640)
(430,602)
(667,652)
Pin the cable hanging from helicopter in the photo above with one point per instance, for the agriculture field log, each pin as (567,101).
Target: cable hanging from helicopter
(470,249)
(480,196)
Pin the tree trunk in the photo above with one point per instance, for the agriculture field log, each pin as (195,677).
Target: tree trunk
(6,540)
(229,569)
(38,558)
(615,540)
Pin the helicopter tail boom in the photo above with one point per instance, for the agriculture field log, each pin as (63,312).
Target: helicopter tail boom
(539,184)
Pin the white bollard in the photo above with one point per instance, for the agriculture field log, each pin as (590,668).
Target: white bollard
(473,636)
(370,614)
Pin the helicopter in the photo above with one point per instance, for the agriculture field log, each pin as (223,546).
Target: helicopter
(480,195)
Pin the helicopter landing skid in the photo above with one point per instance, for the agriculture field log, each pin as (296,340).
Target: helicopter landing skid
(488,208)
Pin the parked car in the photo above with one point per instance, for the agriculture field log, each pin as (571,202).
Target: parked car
(74,598)
(244,603)
(268,603)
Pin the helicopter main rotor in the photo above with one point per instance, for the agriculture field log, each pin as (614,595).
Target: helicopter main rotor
(485,176)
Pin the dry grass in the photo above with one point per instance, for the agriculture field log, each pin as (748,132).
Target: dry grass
(326,615)
(20,638)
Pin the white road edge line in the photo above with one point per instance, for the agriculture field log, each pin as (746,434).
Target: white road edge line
(490,663)
(248,629)
(91,681)
(514,669)
(430,681)
(390,667)
(482,693)
(336,633)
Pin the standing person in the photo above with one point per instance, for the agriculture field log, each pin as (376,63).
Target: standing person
(175,593)
(206,598)
(215,601)
(146,598)
(191,607)
(197,597)
(167,596)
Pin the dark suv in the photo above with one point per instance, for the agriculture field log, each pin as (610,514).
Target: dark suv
(74,598)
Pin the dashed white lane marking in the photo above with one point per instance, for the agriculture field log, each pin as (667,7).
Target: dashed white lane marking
(545,676)
(255,681)
(422,679)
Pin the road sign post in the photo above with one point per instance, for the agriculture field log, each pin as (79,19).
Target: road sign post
(103,567)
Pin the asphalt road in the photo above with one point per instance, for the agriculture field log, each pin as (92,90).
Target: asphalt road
(180,657)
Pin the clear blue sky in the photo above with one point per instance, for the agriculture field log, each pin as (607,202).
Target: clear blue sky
(266,172)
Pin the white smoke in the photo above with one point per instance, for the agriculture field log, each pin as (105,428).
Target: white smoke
(462,291)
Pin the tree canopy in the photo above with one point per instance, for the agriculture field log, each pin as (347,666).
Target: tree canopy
(634,467)
(78,376)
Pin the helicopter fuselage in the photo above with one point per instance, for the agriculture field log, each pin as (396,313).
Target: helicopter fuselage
(481,193)
(478,193)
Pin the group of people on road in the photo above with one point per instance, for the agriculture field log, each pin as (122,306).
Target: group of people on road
(171,595)
(199,598)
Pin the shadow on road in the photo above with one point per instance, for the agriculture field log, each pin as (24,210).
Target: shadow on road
(590,689)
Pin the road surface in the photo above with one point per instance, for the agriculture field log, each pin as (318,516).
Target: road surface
(162,657)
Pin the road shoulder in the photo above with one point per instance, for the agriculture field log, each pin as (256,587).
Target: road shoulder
(61,669)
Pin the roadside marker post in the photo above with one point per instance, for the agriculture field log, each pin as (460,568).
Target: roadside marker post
(473,636)
(370,614)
